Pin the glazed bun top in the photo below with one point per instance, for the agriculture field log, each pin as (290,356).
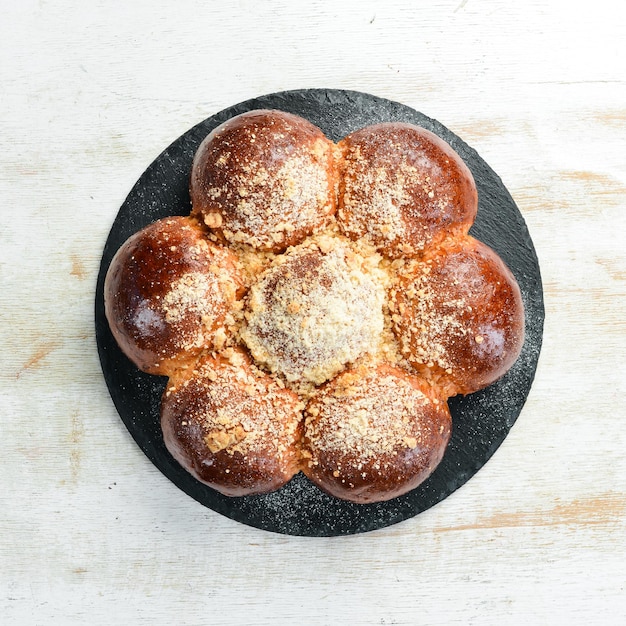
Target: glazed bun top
(168,293)
(231,426)
(374,432)
(403,189)
(264,178)
(459,316)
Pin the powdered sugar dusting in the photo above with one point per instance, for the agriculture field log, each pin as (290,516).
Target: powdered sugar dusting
(147,321)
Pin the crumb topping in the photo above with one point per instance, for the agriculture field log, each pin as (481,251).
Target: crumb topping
(265,209)
(265,181)
(238,409)
(192,293)
(402,190)
(366,415)
(316,309)
(427,320)
(377,203)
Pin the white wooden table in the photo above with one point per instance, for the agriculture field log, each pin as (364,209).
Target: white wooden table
(90,531)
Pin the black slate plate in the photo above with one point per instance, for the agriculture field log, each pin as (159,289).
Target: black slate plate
(481,421)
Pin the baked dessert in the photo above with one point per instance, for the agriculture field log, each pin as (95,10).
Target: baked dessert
(457,314)
(403,189)
(317,308)
(233,427)
(373,433)
(168,294)
(265,179)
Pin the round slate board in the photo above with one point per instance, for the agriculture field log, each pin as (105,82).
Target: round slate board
(481,421)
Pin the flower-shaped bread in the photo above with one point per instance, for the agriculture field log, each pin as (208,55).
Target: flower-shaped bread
(317,308)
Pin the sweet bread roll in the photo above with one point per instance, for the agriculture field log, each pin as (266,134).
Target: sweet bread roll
(231,427)
(458,316)
(264,178)
(402,188)
(317,308)
(372,434)
(340,277)
(167,294)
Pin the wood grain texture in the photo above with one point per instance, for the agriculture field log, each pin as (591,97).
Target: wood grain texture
(91,94)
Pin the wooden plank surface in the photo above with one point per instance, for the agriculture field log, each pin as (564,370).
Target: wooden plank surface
(90,94)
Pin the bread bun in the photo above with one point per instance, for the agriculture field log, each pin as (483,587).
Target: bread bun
(374,433)
(317,308)
(264,178)
(232,427)
(459,316)
(340,278)
(167,294)
(403,189)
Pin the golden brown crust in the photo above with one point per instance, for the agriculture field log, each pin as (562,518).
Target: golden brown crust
(231,426)
(264,178)
(459,316)
(268,273)
(403,189)
(168,292)
(374,433)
